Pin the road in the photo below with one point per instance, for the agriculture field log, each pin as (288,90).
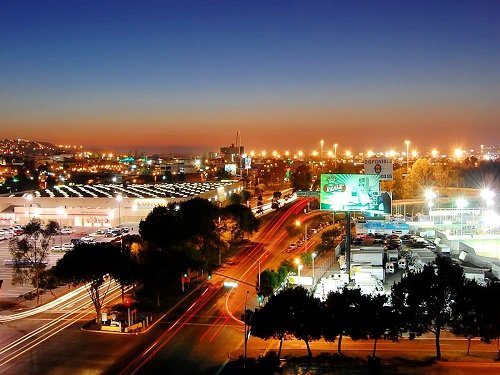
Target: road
(199,335)
(52,342)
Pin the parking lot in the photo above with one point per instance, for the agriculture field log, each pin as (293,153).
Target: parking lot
(9,292)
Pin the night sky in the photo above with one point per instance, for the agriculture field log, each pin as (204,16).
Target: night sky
(186,75)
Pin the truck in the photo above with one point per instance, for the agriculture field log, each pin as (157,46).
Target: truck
(444,250)
(425,255)
(374,256)
(368,284)
(361,270)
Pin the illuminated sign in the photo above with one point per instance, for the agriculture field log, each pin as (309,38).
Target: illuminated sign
(380,166)
(300,280)
(149,203)
(248,163)
(351,192)
(230,168)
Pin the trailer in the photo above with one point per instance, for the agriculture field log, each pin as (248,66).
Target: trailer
(362,270)
(374,256)
(425,255)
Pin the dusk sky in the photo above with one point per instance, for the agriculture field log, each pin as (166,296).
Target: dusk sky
(186,75)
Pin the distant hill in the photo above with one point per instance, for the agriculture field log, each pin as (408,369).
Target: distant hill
(24,147)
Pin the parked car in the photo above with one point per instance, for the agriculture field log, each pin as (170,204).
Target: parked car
(56,248)
(88,239)
(68,246)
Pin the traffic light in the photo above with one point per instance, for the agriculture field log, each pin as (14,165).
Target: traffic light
(209,276)
(260,298)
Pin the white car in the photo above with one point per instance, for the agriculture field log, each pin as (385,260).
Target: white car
(88,239)
(56,248)
(67,231)
(68,246)
(6,234)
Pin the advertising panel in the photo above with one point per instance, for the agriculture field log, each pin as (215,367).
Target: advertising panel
(248,162)
(381,166)
(351,192)
(230,168)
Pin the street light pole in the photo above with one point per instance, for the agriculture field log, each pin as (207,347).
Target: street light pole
(313,256)
(29,198)
(321,151)
(335,154)
(119,198)
(407,157)
(60,212)
(245,331)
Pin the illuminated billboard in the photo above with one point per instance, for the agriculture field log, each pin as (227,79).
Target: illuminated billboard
(352,192)
(230,168)
(381,166)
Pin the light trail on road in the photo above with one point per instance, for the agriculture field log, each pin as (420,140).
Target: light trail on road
(34,338)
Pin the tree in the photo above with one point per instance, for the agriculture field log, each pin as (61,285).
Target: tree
(381,322)
(490,319)
(467,311)
(30,252)
(304,311)
(235,198)
(328,237)
(424,299)
(264,322)
(244,217)
(421,176)
(298,313)
(93,265)
(268,282)
(126,271)
(259,190)
(301,178)
(340,312)
(245,196)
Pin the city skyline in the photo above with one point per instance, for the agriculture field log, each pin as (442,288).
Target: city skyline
(185,76)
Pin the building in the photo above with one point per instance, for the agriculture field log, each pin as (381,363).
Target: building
(106,205)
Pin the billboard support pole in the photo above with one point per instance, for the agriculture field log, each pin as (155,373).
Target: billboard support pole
(348,244)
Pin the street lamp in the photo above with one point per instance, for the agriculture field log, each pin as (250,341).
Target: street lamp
(245,330)
(313,255)
(119,199)
(488,197)
(321,150)
(297,223)
(60,213)
(461,204)
(407,142)
(299,266)
(430,195)
(335,154)
(29,198)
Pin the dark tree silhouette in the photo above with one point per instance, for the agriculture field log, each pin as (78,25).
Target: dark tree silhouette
(92,265)
(379,320)
(340,315)
(297,311)
(425,299)
(30,252)
(301,178)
